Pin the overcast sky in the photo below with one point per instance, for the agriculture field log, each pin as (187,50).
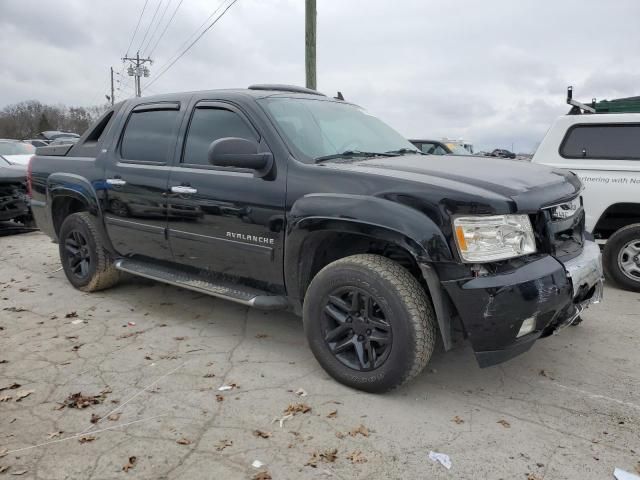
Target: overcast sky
(494,72)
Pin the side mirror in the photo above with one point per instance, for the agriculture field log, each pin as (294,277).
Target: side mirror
(239,153)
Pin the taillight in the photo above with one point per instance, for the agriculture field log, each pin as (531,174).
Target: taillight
(29,179)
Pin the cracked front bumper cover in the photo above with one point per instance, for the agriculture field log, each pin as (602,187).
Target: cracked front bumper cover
(493,307)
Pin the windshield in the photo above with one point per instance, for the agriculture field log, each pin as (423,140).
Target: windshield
(16,148)
(318,128)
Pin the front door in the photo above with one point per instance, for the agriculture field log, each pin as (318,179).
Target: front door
(225,220)
(136,178)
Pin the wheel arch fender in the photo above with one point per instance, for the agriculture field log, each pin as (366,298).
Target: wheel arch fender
(71,186)
(315,215)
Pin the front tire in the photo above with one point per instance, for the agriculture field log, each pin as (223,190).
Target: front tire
(369,323)
(621,257)
(86,262)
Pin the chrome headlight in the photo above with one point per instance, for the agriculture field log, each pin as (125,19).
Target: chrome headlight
(489,239)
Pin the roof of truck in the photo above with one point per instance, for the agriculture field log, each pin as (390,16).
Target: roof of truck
(254,91)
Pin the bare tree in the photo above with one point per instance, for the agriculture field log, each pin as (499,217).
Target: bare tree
(27,119)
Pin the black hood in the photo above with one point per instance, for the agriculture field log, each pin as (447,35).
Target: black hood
(530,186)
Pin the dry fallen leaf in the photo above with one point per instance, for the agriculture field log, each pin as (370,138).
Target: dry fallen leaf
(332,414)
(295,408)
(360,429)
(130,464)
(78,400)
(20,394)
(328,456)
(261,476)
(261,434)
(340,435)
(504,423)
(95,418)
(219,398)
(114,417)
(184,441)
(533,476)
(356,457)
(12,386)
(457,419)
(222,444)
(86,439)
(71,315)
(301,392)
(55,434)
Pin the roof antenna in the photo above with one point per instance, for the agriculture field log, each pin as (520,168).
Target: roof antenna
(339,96)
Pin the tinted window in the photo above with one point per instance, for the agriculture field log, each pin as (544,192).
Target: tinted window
(208,125)
(602,141)
(149,135)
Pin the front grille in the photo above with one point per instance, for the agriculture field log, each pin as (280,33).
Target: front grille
(561,237)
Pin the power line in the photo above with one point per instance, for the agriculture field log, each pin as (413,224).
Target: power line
(158,23)
(165,28)
(194,42)
(137,26)
(149,26)
(193,35)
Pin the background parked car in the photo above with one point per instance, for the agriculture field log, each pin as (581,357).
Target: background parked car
(64,141)
(50,135)
(502,153)
(435,147)
(37,142)
(16,152)
(14,204)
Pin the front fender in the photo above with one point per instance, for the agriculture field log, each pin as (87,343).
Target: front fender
(369,216)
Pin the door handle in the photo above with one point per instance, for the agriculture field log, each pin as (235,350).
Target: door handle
(116,181)
(183,189)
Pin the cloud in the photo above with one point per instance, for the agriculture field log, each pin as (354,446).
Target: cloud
(493,72)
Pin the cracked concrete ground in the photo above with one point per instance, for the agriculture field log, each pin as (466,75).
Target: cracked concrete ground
(569,408)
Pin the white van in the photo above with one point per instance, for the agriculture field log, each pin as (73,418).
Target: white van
(603,149)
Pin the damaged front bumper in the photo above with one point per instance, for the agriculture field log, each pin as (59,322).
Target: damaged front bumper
(504,314)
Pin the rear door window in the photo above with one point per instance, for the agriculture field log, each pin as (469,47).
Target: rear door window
(149,135)
(602,141)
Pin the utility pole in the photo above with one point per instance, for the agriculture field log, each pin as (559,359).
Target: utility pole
(137,70)
(310,43)
(113,100)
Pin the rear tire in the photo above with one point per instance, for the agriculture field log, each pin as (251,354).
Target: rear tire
(621,257)
(369,323)
(87,264)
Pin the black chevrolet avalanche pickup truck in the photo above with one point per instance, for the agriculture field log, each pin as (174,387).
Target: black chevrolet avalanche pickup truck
(279,197)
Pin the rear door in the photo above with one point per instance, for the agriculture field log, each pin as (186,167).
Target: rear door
(221,219)
(136,181)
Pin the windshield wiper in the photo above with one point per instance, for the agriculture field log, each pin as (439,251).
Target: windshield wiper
(354,153)
(405,151)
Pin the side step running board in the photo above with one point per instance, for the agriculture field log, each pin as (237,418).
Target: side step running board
(217,288)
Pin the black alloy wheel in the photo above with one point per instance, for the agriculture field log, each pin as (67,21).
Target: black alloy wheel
(86,262)
(356,329)
(78,254)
